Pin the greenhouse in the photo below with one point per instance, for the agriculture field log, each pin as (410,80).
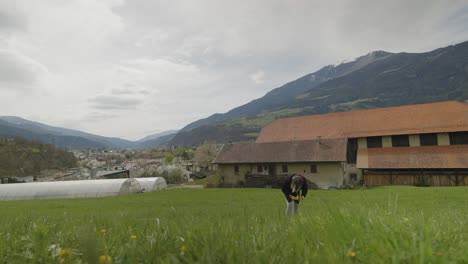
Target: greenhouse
(152,184)
(68,189)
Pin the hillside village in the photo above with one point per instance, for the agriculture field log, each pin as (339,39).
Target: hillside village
(176,165)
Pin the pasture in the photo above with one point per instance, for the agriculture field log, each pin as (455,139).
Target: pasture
(379,225)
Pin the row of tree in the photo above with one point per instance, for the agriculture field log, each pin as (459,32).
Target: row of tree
(21,157)
(202,156)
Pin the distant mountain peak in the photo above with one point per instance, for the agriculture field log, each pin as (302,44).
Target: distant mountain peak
(14,120)
(157,135)
(376,79)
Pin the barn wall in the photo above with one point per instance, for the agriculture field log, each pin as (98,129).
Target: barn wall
(376,178)
(328,173)
(230,177)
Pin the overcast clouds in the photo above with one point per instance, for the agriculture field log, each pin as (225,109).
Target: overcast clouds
(131,68)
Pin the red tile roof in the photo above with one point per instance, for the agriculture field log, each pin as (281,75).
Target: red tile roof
(292,151)
(427,157)
(412,119)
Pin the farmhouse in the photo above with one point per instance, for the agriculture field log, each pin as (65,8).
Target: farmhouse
(425,144)
(259,164)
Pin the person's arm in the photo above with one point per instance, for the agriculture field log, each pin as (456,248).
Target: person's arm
(287,189)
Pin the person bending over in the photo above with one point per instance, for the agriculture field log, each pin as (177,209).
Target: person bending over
(294,189)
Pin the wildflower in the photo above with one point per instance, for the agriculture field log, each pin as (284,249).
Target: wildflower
(105,259)
(65,254)
(351,253)
(183,249)
(103,231)
(133,237)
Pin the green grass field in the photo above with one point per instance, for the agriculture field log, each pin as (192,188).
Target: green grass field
(380,225)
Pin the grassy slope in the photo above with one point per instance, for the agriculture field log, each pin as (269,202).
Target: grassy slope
(390,224)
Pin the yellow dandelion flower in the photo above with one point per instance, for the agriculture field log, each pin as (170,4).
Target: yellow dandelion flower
(133,237)
(351,253)
(183,248)
(105,259)
(103,231)
(65,253)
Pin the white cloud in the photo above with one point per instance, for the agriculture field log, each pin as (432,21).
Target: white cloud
(18,71)
(157,65)
(113,102)
(258,77)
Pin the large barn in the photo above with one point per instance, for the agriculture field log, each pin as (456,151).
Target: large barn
(425,144)
(259,164)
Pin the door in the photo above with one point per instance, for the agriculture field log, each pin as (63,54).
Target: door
(271,169)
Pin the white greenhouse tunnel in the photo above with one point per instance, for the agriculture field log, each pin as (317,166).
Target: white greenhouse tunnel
(79,189)
(152,184)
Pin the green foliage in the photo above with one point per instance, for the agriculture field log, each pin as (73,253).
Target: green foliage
(213,133)
(203,182)
(183,153)
(265,118)
(174,176)
(251,135)
(169,158)
(213,180)
(148,154)
(21,157)
(381,225)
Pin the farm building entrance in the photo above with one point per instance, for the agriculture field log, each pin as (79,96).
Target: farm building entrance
(271,169)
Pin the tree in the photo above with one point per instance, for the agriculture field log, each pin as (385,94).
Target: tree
(169,158)
(205,154)
(183,153)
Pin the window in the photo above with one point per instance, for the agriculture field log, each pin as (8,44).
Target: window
(284,168)
(236,169)
(374,142)
(259,168)
(458,138)
(313,168)
(428,139)
(400,141)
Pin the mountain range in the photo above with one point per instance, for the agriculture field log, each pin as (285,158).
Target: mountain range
(377,79)
(71,139)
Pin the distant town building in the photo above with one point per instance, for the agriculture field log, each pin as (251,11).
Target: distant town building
(114,173)
(24,179)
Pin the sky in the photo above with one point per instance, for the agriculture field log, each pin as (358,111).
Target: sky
(132,68)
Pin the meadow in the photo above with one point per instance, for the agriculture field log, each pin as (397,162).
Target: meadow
(378,225)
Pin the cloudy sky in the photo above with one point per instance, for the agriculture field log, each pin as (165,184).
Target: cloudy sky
(136,67)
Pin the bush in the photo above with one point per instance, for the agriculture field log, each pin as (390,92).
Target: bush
(214,180)
(175,176)
(171,177)
(169,158)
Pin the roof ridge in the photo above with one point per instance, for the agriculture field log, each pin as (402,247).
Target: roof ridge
(438,117)
(372,109)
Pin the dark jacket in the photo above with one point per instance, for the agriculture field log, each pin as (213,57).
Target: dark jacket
(288,191)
